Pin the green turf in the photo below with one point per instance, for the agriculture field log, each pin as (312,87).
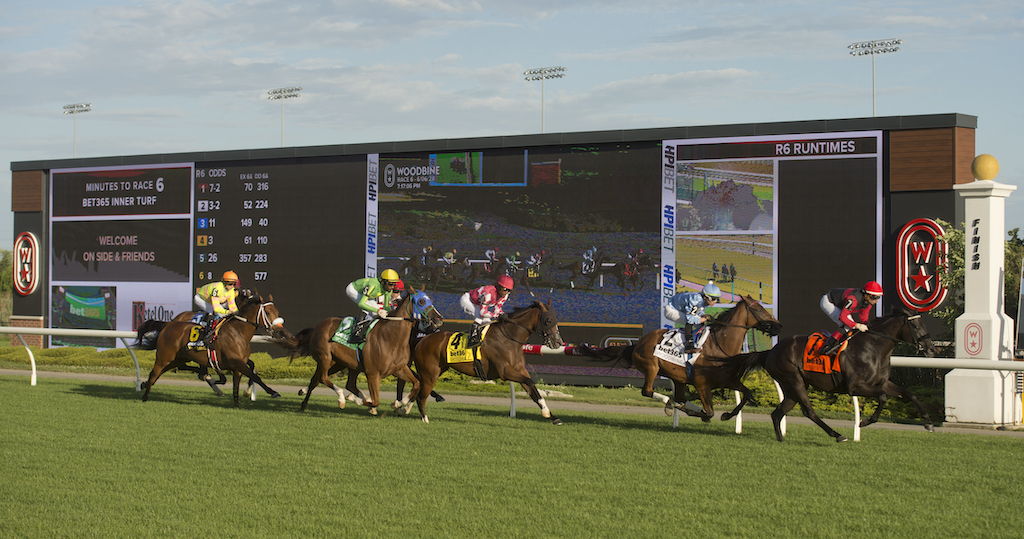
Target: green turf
(88,458)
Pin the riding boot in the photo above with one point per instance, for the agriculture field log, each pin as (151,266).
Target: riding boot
(475,334)
(359,331)
(833,342)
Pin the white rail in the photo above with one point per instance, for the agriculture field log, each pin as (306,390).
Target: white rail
(108,333)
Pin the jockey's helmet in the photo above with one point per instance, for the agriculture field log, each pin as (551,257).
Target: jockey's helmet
(505,282)
(711,290)
(230,277)
(873,288)
(389,276)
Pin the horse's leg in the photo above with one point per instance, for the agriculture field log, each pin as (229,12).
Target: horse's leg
(405,374)
(250,372)
(236,377)
(882,399)
(706,401)
(161,365)
(650,372)
(901,392)
(805,404)
(738,386)
(522,376)
(373,382)
(354,394)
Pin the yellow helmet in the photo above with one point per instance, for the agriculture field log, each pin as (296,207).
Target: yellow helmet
(229,276)
(389,275)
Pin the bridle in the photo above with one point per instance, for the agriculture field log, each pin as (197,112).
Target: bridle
(546,328)
(262,317)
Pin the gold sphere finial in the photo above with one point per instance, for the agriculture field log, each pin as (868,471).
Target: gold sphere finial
(985,167)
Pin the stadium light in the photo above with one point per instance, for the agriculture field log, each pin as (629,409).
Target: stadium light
(74,109)
(872,48)
(280,94)
(542,74)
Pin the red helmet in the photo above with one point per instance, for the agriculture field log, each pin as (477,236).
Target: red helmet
(505,282)
(399,285)
(873,288)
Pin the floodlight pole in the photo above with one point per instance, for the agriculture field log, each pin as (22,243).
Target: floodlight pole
(541,74)
(871,48)
(280,94)
(72,110)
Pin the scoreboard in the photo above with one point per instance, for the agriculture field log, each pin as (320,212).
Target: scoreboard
(150,235)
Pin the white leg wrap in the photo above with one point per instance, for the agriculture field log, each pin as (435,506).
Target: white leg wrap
(341,396)
(544,412)
(663,398)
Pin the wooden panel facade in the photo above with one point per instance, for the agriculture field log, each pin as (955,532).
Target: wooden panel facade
(27,190)
(928,159)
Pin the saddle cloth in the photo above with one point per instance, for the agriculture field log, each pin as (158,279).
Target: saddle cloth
(672,348)
(815,360)
(345,329)
(455,350)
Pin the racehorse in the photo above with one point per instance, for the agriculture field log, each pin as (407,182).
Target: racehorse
(864,369)
(628,274)
(332,357)
(232,346)
(502,351)
(576,270)
(714,369)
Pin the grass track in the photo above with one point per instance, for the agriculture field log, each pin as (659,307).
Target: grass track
(88,458)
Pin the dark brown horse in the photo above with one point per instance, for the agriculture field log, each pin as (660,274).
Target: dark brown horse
(502,354)
(714,369)
(864,365)
(387,351)
(576,271)
(232,347)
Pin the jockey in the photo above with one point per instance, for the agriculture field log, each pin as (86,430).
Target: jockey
(512,261)
(370,295)
(850,309)
(449,257)
(535,260)
(690,307)
(217,299)
(588,259)
(425,258)
(484,304)
(396,295)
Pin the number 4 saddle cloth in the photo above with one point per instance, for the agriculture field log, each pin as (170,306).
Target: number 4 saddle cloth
(815,360)
(455,350)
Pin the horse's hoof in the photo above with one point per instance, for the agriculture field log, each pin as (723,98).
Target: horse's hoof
(373,411)
(929,427)
(707,418)
(726,416)
(396,405)
(341,404)
(669,409)
(302,391)
(439,398)
(842,438)
(425,419)
(556,421)
(275,395)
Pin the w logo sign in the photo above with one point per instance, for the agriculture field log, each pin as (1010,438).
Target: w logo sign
(920,255)
(26,263)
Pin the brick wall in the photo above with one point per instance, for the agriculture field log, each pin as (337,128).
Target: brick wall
(27,322)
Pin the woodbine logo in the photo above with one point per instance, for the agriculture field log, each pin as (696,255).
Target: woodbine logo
(920,255)
(26,263)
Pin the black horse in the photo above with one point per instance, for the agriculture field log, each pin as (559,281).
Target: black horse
(864,369)
(629,273)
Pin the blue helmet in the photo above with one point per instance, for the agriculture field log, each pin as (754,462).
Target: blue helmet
(711,291)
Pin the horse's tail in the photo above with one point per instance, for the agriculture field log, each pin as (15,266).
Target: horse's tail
(613,354)
(145,336)
(301,345)
(751,361)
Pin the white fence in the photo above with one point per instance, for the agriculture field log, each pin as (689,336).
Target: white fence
(897,361)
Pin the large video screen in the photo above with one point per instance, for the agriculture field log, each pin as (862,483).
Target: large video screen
(751,214)
(571,224)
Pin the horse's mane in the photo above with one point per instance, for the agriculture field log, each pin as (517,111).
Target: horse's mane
(517,311)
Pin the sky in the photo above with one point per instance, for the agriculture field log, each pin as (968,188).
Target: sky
(192,75)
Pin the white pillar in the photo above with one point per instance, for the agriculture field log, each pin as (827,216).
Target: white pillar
(984,331)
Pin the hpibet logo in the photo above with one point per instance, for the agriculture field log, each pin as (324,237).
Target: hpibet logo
(920,255)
